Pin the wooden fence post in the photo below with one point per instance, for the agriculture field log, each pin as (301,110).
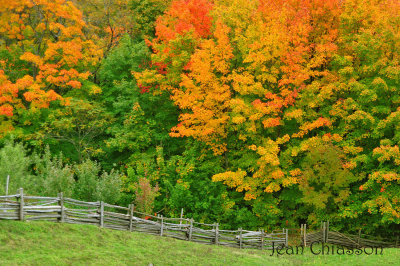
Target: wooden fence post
(287,237)
(262,239)
(305,234)
(162,226)
(323,232)
(180,221)
(101,214)
(216,233)
(327,232)
(359,236)
(190,230)
(301,232)
(62,213)
(21,204)
(240,238)
(131,206)
(7,183)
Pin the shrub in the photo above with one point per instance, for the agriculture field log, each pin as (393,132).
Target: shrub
(108,188)
(145,195)
(91,186)
(87,175)
(14,162)
(51,176)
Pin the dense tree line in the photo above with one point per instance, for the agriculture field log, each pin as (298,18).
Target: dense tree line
(255,114)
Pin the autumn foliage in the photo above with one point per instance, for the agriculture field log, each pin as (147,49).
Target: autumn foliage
(274,79)
(263,111)
(46,53)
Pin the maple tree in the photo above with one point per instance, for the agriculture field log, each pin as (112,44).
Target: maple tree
(145,15)
(106,21)
(204,94)
(178,33)
(44,53)
(80,125)
(368,67)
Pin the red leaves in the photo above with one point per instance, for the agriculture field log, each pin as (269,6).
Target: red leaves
(271,122)
(257,102)
(183,16)
(143,89)
(161,67)
(6,110)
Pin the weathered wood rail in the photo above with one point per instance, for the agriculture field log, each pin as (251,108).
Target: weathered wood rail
(61,209)
(330,236)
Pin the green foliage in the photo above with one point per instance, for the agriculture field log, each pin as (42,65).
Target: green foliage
(93,186)
(108,187)
(325,184)
(14,161)
(145,15)
(51,176)
(87,175)
(135,135)
(128,56)
(47,175)
(80,125)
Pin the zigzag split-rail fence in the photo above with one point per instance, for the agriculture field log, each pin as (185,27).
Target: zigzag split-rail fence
(66,210)
(327,235)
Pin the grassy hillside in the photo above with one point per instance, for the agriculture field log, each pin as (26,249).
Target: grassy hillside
(44,243)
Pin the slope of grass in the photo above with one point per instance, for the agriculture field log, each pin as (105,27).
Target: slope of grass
(45,243)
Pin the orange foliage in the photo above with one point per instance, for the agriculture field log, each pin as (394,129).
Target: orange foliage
(58,56)
(178,33)
(204,94)
(249,62)
(183,16)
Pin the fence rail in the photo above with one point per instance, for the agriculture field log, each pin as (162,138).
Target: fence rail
(330,236)
(61,209)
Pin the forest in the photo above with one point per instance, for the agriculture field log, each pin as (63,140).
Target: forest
(254,114)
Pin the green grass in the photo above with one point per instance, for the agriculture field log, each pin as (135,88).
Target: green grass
(45,243)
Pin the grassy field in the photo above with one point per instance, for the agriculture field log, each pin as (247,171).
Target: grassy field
(45,243)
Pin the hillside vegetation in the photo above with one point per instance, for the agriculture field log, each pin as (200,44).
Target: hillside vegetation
(253,114)
(45,243)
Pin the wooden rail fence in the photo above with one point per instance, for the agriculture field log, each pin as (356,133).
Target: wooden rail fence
(330,236)
(62,209)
